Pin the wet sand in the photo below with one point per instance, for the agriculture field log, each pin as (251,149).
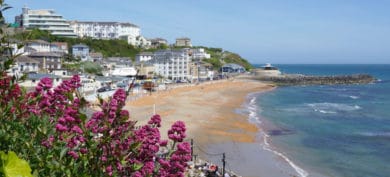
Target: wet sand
(209,111)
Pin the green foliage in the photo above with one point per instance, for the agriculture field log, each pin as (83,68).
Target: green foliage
(72,66)
(88,67)
(215,62)
(229,57)
(92,68)
(220,57)
(12,166)
(109,48)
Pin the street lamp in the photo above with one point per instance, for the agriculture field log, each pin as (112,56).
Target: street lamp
(198,64)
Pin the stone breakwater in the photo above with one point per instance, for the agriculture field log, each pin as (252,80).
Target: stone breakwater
(298,79)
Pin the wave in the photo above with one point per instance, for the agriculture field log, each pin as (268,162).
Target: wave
(376,134)
(254,118)
(252,109)
(354,97)
(332,108)
(267,146)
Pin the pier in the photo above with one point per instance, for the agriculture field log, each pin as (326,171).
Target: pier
(298,79)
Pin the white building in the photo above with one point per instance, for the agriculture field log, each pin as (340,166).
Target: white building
(199,53)
(81,51)
(59,47)
(23,64)
(144,56)
(45,19)
(157,42)
(109,30)
(172,64)
(183,42)
(34,46)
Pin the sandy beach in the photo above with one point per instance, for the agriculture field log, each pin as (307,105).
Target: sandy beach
(209,111)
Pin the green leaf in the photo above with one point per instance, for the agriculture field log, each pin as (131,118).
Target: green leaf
(83,117)
(15,167)
(62,153)
(137,166)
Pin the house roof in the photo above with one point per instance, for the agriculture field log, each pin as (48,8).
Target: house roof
(183,38)
(60,44)
(30,49)
(95,54)
(145,53)
(233,66)
(158,40)
(25,59)
(106,23)
(45,54)
(38,41)
(80,45)
(38,76)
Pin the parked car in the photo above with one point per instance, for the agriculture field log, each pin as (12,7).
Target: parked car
(104,89)
(167,81)
(121,85)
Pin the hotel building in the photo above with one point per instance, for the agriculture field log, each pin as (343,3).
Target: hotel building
(172,64)
(45,19)
(107,30)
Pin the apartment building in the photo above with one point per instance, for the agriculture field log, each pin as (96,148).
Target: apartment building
(109,30)
(45,19)
(172,64)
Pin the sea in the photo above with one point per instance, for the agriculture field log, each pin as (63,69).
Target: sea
(329,130)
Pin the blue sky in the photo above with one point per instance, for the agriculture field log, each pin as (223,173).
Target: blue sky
(276,31)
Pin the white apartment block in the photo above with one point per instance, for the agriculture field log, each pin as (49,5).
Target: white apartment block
(45,19)
(172,64)
(107,30)
(199,54)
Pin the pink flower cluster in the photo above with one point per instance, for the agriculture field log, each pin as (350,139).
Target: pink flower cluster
(61,102)
(177,132)
(109,138)
(53,101)
(8,90)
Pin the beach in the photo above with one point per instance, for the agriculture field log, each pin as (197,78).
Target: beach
(210,112)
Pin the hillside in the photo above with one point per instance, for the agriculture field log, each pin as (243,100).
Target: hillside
(120,48)
(109,48)
(219,57)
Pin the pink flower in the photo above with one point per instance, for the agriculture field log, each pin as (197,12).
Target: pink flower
(177,131)
(155,120)
(73,154)
(77,129)
(164,143)
(45,83)
(109,170)
(61,128)
(83,150)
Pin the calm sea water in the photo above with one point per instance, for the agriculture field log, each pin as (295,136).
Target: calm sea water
(336,130)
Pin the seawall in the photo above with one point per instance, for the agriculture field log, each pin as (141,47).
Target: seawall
(295,79)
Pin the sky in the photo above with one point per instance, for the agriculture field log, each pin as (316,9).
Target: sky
(262,31)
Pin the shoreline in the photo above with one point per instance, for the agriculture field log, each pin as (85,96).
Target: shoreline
(212,120)
(264,138)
